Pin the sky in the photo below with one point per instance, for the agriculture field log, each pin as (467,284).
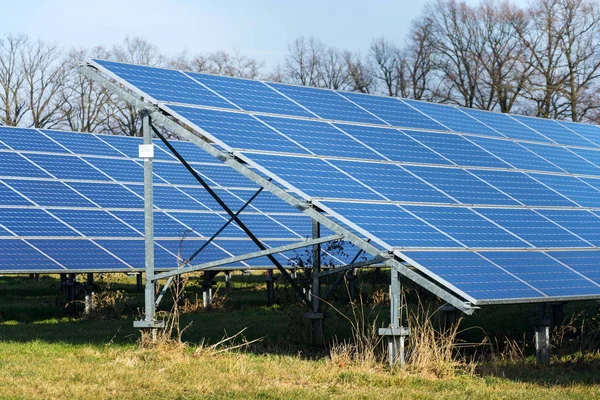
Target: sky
(257,28)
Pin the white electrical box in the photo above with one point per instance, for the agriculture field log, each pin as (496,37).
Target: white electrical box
(146,151)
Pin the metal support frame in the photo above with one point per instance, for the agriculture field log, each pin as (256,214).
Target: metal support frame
(149,321)
(207,292)
(316,315)
(395,333)
(270,282)
(89,295)
(542,336)
(228,281)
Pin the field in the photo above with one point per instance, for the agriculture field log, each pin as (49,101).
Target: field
(46,354)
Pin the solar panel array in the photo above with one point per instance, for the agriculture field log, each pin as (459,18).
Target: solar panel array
(495,207)
(74,202)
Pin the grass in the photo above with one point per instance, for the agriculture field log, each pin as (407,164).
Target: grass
(45,354)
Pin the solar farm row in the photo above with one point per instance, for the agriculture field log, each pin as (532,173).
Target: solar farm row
(72,201)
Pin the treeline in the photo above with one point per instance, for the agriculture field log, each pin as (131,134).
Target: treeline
(542,60)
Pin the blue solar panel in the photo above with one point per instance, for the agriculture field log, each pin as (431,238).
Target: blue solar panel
(308,174)
(132,252)
(49,193)
(392,182)
(223,176)
(95,223)
(393,144)
(532,227)
(453,181)
(393,111)
(184,249)
(515,154)
(592,156)
(504,124)
(170,198)
(165,85)
(326,104)
(251,95)
(108,195)
(82,143)
(590,132)
(129,147)
(554,131)
(583,262)
(192,153)
(571,187)
(238,130)
(523,188)
(9,197)
(582,223)
(79,255)
(164,225)
(120,170)
(312,135)
(467,227)
(33,222)
(29,140)
(18,255)
(543,273)
(12,164)
(458,149)
(564,158)
(452,118)
(474,275)
(393,225)
(67,167)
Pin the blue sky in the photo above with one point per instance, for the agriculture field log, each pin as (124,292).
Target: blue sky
(261,29)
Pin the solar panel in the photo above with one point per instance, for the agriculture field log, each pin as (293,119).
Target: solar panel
(493,207)
(74,202)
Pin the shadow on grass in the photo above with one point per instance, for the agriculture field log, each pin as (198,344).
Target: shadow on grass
(34,311)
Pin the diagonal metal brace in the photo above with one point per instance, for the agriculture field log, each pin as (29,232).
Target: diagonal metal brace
(248,256)
(346,267)
(248,232)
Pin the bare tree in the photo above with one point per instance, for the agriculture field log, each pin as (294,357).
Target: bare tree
(361,75)
(302,61)
(84,103)
(12,80)
(386,62)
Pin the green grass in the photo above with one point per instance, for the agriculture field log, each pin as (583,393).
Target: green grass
(45,354)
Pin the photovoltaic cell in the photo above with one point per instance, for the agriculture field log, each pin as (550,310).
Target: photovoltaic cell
(452,118)
(582,223)
(572,188)
(584,262)
(29,140)
(393,225)
(67,167)
(515,154)
(393,111)
(165,84)
(504,124)
(326,104)
(457,149)
(12,164)
(467,227)
(79,255)
(533,228)
(474,275)
(565,159)
(49,193)
(312,135)
(33,222)
(406,187)
(393,144)
(522,188)
(250,95)
(554,131)
(590,132)
(453,181)
(81,143)
(9,197)
(18,255)
(308,175)
(238,130)
(543,273)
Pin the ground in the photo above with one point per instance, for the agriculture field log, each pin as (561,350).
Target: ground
(45,354)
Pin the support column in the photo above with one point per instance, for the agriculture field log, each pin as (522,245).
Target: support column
(138,281)
(316,314)
(228,281)
(395,334)
(89,295)
(270,288)
(351,279)
(542,336)
(207,294)
(147,153)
